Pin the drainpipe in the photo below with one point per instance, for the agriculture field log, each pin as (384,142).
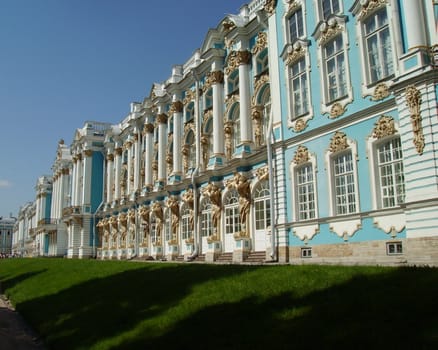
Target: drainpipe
(271,188)
(197,237)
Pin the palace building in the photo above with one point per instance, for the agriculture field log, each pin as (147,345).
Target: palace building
(301,131)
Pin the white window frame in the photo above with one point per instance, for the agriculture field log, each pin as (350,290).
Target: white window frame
(375,181)
(293,174)
(394,26)
(261,205)
(303,72)
(340,77)
(206,215)
(185,222)
(320,8)
(352,147)
(394,248)
(231,212)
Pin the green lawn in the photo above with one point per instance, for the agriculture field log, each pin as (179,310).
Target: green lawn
(87,304)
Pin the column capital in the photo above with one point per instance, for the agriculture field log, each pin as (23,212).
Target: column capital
(162,118)
(177,107)
(148,128)
(110,157)
(118,151)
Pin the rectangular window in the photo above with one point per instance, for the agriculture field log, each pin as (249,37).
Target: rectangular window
(298,76)
(185,224)
(378,46)
(232,220)
(305,192)
(206,228)
(345,196)
(306,252)
(296,28)
(392,182)
(329,7)
(394,248)
(336,81)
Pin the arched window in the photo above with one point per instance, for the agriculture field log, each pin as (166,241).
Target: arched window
(186,229)
(235,117)
(206,226)
(233,83)
(232,214)
(190,141)
(262,204)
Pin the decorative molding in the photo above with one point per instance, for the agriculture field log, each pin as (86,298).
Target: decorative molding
(259,82)
(300,125)
(345,229)
(162,118)
(148,128)
(262,173)
(391,224)
(110,157)
(301,155)
(413,101)
(189,97)
(294,54)
(261,43)
(293,6)
(176,107)
(337,110)
(214,77)
(384,127)
(381,91)
(369,6)
(118,151)
(237,58)
(306,232)
(270,6)
(328,31)
(88,152)
(338,142)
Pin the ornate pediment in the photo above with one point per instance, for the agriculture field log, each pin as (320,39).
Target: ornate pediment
(338,142)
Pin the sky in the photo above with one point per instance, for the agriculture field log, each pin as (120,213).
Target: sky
(63,62)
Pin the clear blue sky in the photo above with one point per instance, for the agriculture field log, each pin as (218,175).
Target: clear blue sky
(63,62)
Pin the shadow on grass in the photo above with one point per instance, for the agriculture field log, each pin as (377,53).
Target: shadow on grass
(11,282)
(90,312)
(395,310)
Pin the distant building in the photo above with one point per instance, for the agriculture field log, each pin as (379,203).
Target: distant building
(301,131)
(6,233)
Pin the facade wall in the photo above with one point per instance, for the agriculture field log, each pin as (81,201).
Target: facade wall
(301,131)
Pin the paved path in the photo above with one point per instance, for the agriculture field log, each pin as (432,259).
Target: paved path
(15,334)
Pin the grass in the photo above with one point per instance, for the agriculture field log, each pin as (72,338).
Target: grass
(87,304)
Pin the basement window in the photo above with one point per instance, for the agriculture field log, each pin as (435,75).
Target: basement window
(394,248)
(306,252)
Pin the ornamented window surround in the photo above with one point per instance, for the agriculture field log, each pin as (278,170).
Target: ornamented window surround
(290,55)
(302,157)
(362,12)
(319,9)
(386,128)
(339,143)
(324,33)
(292,7)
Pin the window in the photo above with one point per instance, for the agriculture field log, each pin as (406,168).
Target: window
(236,124)
(167,226)
(206,227)
(262,62)
(394,248)
(209,99)
(378,46)
(296,27)
(306,252)
(185,222)
(153,232)
(330,7)
(336,81)
(305,192)
(391,176)
(298,77)
(262,205)
(344,184)
(232,216)
(192,150)
(233,82)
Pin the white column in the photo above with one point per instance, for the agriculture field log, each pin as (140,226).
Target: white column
(137,147)
(86,187)
(79,186)
(149,153)
(74,181)
(109,177)
(245,97)
(162,143)
(118,165)
(218,111)
(128,185)
(177,135)
(415,24)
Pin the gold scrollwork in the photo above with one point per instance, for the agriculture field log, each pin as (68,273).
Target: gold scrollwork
(301,155)
(384,127)
(338,142)
(413,101)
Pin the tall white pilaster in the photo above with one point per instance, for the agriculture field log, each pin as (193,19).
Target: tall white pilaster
(244,58)
(415,24)
(177,107)
(162,145)
(149,151)
(137,147)
(109,177)
(86,187)
(117,170)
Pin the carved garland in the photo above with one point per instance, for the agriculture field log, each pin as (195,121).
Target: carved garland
(301,155)
(338,142)
(237,58)
(215,77)
(270,6)
(261,43)
(413,101)
(384,127)
(370,6)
